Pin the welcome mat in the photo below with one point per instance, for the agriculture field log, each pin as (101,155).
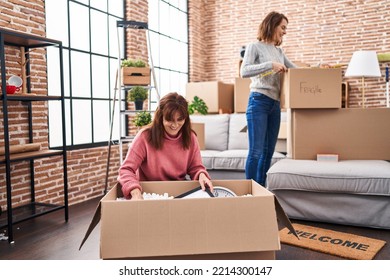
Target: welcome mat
(349,246)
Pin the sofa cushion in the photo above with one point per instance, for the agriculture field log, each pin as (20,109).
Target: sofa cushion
(237,139)
(216,130)
(208,157)
(230,159)
(236,159)
(352,192)
(348,176)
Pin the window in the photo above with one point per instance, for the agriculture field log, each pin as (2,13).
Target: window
(87,29)
(168,25)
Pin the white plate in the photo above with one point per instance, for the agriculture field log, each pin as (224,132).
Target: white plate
(15,81)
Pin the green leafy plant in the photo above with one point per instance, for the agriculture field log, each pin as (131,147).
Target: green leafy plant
(133,63)
(137,93)
(197,105)
(140,63)
(142,118)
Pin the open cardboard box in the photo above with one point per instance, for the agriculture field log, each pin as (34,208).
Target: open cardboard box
(242,227)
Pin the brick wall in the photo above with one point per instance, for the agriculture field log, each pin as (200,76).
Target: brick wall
(318,32)
(198,46)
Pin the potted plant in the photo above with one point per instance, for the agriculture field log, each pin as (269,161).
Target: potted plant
(133,63)
(142,118)
(135,72)
(197,105)
(137,95)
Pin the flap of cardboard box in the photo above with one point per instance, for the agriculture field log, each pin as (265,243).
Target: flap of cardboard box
(93,224)
(284,221)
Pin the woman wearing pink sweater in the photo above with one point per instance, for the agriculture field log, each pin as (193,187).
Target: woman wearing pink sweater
(168,150)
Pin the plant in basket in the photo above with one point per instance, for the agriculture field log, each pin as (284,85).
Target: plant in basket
(133,63)
(135,72)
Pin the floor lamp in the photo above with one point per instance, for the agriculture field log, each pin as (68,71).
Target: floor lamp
(363,64)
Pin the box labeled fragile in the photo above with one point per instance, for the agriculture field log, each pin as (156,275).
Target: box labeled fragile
(135,76)
(218,96)
(241,227)
(311,88)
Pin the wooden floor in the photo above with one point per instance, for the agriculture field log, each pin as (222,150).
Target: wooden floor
(51,238)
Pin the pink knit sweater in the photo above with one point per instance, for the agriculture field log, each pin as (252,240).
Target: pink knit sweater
(171,163)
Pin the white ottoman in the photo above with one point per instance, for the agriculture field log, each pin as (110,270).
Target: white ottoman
(351,192)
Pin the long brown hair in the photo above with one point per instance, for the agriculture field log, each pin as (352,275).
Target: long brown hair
(169,105)
(267,27)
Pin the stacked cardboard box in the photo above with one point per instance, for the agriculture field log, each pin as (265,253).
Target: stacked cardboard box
(218,96)
(241,94)
(318,125)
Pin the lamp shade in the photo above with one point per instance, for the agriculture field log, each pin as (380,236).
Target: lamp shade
(363,64)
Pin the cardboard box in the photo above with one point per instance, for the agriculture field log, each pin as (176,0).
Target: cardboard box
(351,133)
(199,130)
(282,130)
(242,227)
(217,95)
(135,76)
(311,88)
(241,94)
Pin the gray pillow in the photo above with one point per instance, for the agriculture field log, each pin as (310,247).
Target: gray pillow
(237,140)
(216,130)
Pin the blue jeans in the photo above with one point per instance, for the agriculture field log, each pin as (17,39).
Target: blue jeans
(263,119)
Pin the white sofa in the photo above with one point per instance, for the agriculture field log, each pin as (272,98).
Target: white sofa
(226,147)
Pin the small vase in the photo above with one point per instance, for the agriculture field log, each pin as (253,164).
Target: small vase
(139,104)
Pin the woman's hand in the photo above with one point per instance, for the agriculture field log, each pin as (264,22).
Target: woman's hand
(204,181)
(278,67)
(136,194)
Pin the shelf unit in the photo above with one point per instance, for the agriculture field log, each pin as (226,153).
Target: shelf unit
(32,209)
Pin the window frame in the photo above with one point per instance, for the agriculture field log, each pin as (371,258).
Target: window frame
(164,73)
(71,98)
